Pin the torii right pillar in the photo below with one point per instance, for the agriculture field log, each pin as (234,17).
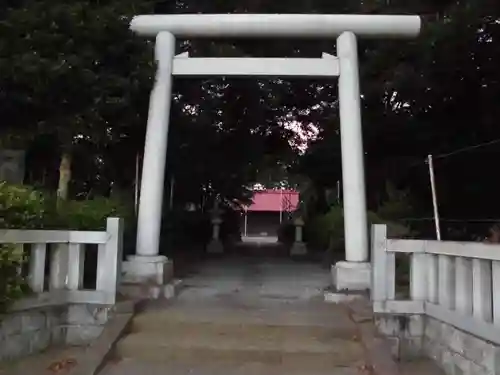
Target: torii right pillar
(355,272)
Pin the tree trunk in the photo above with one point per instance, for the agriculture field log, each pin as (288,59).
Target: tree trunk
(64,176)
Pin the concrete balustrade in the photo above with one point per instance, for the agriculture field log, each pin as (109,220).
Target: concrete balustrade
(454,289)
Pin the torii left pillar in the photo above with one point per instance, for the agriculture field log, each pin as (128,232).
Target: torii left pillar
(147,266)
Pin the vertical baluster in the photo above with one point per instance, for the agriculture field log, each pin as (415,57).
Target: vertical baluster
(446,276)
(418,277)
(75,266)
(59,266)
(482,289)
(432,275)
(391,275)
(36,276)
(463,290)
(496,292)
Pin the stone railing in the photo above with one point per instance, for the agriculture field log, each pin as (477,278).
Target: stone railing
(452,309)
(60,311)
(66,263)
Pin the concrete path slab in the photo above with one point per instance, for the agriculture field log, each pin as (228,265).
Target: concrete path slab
(256,279)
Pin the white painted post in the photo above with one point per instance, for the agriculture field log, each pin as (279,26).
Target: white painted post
(353,173)
(109,258)
(418,277)
(76,260)
(446,276)
(59,267)
(496,292)
(482,290)
(37,267)
(432,278)
(463,290)
(155,152)
(379,262)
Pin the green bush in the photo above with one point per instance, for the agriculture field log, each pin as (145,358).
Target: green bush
(326,232)
(184,229)
(90,214)
(12,284)
(22,207)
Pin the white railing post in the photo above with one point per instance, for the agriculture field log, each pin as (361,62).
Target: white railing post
(446,276)
(482,291)
(496,292)
(36,276)
(109,258)
(463,290)
(59,267)
(76,259)
(418,277)
(379,263)
(432,279)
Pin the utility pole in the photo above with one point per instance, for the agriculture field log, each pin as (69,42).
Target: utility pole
(136,184)
(281,204)
(171,200)
(434,197)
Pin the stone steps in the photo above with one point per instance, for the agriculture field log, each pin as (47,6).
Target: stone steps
(277,347)
(420,367)
(244,341)
(134,367)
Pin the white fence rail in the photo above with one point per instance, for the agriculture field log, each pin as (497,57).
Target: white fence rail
(455,282)
(67,257)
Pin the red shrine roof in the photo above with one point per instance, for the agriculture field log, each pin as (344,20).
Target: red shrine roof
(274,201)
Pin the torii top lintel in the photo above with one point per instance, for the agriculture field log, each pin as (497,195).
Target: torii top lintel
(278,25)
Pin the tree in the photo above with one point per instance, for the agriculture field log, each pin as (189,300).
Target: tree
(73,71)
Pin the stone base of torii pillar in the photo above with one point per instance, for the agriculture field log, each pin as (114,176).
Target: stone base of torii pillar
(351,276)
(148,277)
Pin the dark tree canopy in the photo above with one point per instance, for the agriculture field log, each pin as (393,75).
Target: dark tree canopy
(73,79)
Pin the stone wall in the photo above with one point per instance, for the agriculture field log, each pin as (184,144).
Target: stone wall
(33,330)
(455,351)
(458,352)
(404,333)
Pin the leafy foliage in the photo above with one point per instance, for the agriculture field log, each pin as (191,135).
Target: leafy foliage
(12,284)
(91,214)
(73,73)
(19,207)
(326,231)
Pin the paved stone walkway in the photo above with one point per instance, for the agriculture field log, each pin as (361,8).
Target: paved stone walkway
(60,361)
(245,316)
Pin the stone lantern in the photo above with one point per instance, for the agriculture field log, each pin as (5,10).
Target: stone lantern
(299,248)
(215,246)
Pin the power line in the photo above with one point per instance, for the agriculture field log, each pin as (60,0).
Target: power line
(464,149)
(455,152)
(452,220)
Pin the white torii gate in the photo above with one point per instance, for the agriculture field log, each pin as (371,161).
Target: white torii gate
(354,273)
